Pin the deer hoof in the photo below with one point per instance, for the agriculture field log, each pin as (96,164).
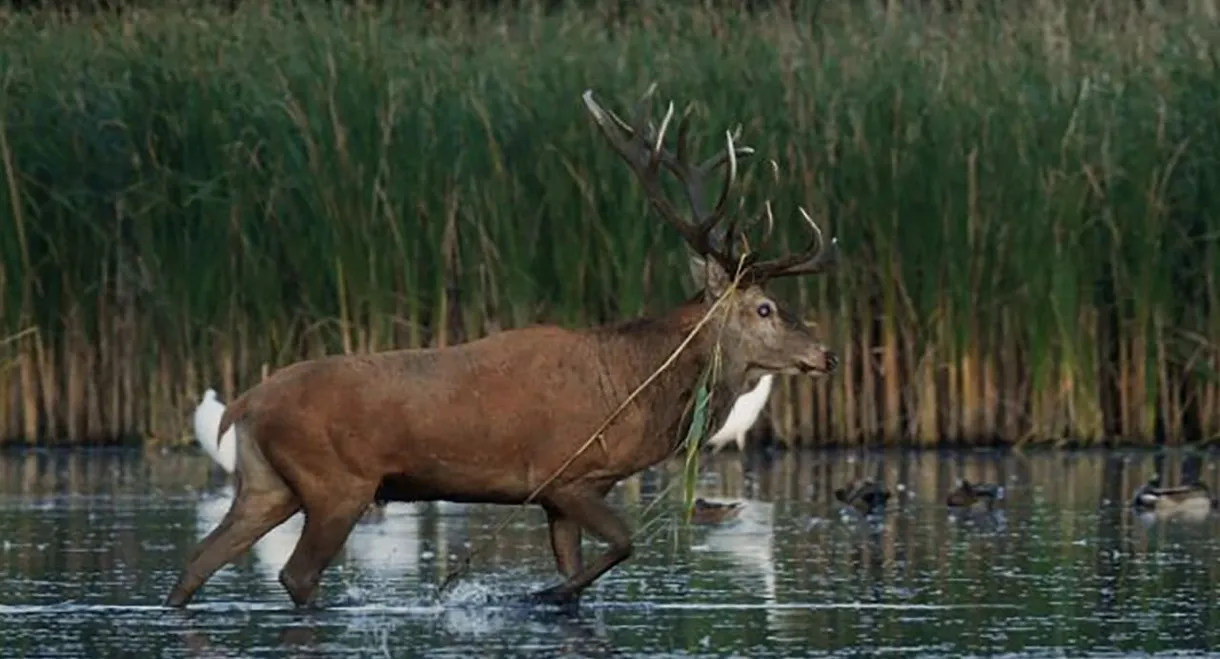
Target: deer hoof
(553,596)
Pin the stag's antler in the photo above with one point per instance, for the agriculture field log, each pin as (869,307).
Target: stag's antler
(643,148)
(817,257)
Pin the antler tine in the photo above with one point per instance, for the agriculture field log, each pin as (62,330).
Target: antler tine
(683,133)
(766,239)
(606,121)
(730,258)
(730,176)
(815,258)
(658,146)
(728,156)
(694,178)
(769,221)
(766,216)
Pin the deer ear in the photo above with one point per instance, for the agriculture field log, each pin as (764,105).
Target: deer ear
(709,276)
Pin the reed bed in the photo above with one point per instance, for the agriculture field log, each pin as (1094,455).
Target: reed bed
(1025,199)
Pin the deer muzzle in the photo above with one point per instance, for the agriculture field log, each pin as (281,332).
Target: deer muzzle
(824,364)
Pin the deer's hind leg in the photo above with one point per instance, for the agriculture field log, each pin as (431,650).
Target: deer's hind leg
(332,509)
(263,502)
(326,530)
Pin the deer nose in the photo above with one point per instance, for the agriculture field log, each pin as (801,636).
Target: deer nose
(832,361)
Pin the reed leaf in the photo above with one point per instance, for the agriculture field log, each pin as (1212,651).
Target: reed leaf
(693,441)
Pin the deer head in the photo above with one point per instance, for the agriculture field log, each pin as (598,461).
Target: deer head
(755,334)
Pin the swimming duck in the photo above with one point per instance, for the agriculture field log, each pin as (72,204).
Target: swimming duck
(974,496)
(713,512)
(865,496)
(1194,497)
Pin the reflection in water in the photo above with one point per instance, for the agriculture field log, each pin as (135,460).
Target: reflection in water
(271,551)
(380,635)
(748,544)
(377,548)
(89,543)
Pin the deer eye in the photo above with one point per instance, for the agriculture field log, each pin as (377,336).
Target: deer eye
(765,309)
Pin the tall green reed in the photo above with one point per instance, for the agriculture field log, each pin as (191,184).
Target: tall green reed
(1024,202)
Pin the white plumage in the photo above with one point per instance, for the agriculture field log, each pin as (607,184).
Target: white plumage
(207,423)
(742,417)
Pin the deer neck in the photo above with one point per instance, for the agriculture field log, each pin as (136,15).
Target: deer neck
(640,347)
(647,343)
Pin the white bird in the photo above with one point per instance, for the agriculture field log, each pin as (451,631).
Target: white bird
(742,417)
(207,423)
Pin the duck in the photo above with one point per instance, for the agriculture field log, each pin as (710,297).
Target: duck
(708,513)
(741,418)
(207,422)
(974,496)
(1192,498)
(224,452)
(864,496)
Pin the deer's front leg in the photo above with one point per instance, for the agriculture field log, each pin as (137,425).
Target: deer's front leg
(588,511)
(565,542)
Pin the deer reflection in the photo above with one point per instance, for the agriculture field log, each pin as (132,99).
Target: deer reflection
(295,641)
(573,636)
(575,633)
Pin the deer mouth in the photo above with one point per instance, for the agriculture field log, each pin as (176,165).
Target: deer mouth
(801,368)
(811,369)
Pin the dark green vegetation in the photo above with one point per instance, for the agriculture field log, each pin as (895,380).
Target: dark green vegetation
(1027,203)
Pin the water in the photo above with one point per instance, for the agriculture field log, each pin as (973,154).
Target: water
(91,543)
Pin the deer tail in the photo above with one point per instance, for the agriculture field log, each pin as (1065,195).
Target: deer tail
(233,413)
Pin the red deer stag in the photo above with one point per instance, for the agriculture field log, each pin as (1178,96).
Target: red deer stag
(490,421)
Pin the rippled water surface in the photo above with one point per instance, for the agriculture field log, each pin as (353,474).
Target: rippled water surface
(90,543)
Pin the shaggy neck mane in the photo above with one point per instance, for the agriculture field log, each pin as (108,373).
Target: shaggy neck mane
(664,332)
(631,351)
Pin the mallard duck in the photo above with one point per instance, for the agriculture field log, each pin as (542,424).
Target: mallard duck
(1194,497)
(865,496)
(713,512)
(974,496)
